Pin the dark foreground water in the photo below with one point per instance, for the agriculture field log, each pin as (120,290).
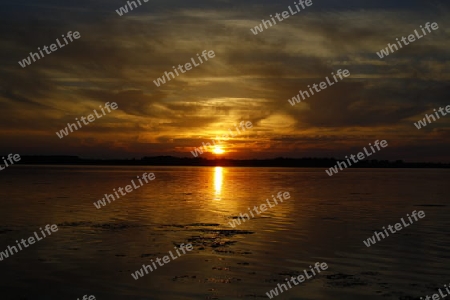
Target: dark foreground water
(326,219)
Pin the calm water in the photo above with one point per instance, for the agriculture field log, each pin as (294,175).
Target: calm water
(326,219)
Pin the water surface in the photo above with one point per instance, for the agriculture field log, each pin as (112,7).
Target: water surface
(325,220)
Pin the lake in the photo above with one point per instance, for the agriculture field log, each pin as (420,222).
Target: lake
(326,219)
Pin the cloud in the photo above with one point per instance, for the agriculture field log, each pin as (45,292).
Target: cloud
(251,78)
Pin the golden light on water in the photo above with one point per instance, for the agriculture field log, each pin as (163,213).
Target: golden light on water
(218,179)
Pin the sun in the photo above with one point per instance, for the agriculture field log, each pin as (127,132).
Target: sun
(218,150)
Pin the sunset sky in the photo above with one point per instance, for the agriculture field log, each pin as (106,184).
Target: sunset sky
(250,78)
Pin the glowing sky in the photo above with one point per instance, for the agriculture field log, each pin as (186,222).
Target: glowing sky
(250,79)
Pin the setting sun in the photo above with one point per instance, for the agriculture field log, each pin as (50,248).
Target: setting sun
(218,150)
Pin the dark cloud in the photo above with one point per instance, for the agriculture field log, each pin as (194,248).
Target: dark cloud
(251,78)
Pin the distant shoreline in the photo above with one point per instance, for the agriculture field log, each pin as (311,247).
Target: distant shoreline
(186,161)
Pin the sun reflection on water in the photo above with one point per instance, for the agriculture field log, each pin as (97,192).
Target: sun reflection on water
(218,180)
